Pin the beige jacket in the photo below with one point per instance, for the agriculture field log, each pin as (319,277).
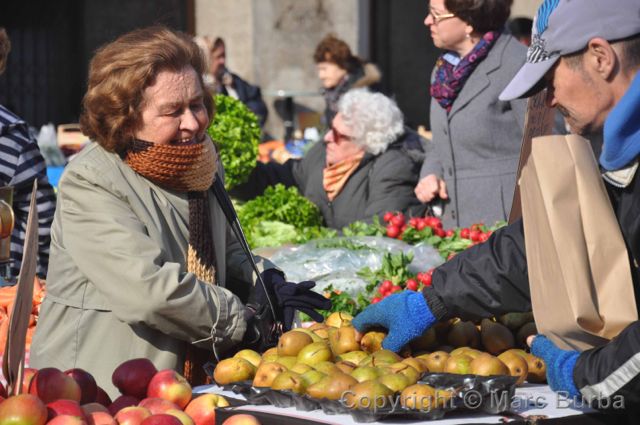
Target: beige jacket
(117,286)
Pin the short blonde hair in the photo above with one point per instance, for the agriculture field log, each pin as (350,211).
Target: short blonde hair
(120,72)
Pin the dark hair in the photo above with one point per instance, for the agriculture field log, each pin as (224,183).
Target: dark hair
(332,49)
(520,27)
(120,72)
(5,48)
(482,15)
(217,43)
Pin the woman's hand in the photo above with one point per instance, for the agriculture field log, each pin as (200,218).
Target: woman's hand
(430,187)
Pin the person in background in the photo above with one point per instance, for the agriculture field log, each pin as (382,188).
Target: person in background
(20,164)
(470,166)
(141,250)
(222,81)
(339,71)
(591,73)
(367,165)
(520,28)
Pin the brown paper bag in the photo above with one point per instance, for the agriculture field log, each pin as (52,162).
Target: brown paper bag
(579,273)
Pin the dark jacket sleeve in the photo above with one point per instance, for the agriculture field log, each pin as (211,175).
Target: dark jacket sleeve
(263,176)
(485,280)
(613,370)
(251,96)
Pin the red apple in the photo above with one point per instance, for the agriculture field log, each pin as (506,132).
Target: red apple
(241,419)
(122,402)
(65,407)
(158,405)
(101,418)
(50,384)
(161,419)
(3,391)
(102,397)
(93,407)
(23,409)
(182,417)
(87,383)
(132,377)
(170,385)
(132,415)
(202,409)
(67,420)
(26,380)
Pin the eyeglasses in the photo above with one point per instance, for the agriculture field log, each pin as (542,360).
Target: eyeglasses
(439,18)
(337,136)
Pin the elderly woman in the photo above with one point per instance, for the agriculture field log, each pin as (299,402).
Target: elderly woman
(472,160)
(339,71)
(367,165)
(143,263)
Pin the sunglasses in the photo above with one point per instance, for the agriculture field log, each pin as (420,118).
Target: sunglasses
(338,137)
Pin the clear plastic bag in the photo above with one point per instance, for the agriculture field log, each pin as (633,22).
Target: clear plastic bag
(336,261)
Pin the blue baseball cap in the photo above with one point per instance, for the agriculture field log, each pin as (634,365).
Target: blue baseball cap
(562,27)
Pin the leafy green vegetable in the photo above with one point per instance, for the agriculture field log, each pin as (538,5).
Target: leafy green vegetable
(284,205)
(236,131)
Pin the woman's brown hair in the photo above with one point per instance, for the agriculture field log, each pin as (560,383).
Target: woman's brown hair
(482,15)
(332,49)
(120,72)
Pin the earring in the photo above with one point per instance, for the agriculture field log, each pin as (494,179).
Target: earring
(468,35)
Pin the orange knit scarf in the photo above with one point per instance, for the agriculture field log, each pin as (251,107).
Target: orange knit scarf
(190,169)
(335,176)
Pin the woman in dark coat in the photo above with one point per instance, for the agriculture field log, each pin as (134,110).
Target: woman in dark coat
(339,71)
(471,162)
(367,165)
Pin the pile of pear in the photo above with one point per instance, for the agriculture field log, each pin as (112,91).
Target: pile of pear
(329,361)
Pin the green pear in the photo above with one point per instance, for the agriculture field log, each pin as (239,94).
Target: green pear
(251,356)
(315,353)
(343,340)
(353,356)
(370,395)
(233,370)
(495,337)
(459,364)
(365,373)
(290,343)
(289,381)
(488,365)
(338,319)
(331,387)
(266,373)
(395,381)
(312,376)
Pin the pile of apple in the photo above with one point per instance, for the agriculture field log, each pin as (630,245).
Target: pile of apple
(328,360)
(148,397)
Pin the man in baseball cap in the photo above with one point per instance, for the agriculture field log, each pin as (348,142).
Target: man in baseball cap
(587,54)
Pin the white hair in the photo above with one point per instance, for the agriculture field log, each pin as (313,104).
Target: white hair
(374,119)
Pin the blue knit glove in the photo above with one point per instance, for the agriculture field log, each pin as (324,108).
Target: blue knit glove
(405,314)
(560,365)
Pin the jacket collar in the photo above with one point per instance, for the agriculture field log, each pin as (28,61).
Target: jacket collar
(479,79)
(623,177)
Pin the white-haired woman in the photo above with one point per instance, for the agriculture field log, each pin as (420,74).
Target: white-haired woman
(368,164)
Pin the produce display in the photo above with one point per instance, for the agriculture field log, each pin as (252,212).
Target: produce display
(148,397)
(7,298)
(236,132)
(330,366)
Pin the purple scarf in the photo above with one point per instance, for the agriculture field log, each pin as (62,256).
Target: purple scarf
(450,79)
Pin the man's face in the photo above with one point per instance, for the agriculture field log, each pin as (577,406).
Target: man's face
(218,60)
(582,99)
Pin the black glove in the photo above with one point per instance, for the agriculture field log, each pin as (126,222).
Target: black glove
(288,297)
